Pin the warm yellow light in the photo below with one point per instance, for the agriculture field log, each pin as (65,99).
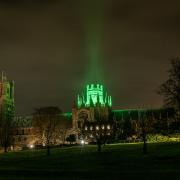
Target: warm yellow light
(31,146)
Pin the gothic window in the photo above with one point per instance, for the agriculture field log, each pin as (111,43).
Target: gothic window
(108,127)
(79,124)
(83,116)
(19,139)
(22,131)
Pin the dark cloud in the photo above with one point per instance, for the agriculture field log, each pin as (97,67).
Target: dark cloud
(44,47)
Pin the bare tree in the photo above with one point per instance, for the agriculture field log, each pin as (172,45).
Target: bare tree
(45,124)
(170,89)
(146,127)
(6,128)
(102,133)
(101,130)
(6,136)
(62,130)
(71,138)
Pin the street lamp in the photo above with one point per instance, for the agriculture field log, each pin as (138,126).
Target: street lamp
(31,146)
(82,142)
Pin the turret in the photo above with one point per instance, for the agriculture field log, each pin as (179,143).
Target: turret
(94,95)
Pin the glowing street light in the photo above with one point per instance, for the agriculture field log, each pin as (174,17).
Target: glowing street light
(31,146)
(82,142)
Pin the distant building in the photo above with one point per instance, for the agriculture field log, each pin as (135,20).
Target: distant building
(93,104)
(23,135)
(91,112)
(6,98)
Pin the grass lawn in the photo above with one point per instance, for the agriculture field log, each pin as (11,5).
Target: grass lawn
(119,161)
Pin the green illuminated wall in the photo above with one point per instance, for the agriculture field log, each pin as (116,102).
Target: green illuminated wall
(6,98)
(94,95)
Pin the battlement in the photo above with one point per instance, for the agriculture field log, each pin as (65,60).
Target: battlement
(6,97)
(96,87)
(95,95)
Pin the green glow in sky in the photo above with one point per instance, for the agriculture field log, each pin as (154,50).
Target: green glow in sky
(93,20)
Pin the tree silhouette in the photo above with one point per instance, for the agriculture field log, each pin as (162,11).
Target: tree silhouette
(170,89)
(71,138)
(45,124)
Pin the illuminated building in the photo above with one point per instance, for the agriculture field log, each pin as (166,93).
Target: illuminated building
(91,114)
(94,104)
(6,98)
(95,100)
(23,132)
(95,95)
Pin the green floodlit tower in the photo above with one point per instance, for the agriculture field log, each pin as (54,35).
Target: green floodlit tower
(94,95)
(6,98)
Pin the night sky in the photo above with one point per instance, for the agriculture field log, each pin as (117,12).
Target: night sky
(52,50)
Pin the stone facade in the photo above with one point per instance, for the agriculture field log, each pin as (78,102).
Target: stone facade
(6,98)
(92,113)
(93,106)
(23,135)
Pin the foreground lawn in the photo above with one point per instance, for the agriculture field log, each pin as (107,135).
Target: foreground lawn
(119,161)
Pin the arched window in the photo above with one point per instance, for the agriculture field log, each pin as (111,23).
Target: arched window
(108,127)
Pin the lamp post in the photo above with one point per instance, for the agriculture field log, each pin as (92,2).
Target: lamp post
(82,144)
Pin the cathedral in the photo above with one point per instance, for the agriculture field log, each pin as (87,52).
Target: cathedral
(91,115)
(92,112)
(94,98)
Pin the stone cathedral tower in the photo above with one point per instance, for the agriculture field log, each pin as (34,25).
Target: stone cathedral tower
(93,99)
(6,98)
